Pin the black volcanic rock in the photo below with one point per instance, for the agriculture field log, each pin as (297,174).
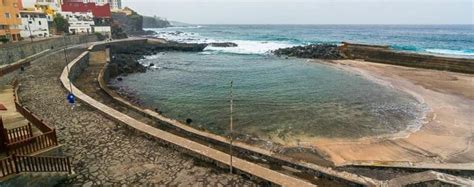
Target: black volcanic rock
(224,44)
(316,51)
(126,57)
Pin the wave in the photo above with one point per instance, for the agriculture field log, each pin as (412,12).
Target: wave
(469,53)
(405,48)
(243,46)
(250,47)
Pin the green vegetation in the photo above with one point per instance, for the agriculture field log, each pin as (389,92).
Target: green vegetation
(61,24)
(4,39)
(100,36)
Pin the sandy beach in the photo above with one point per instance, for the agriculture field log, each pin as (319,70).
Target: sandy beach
(447,134)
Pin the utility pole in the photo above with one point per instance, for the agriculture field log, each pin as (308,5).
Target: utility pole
(29,28)
(231,123)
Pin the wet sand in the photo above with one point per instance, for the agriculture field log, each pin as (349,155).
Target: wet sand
(446,136)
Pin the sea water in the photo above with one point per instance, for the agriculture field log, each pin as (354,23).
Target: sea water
(285,98)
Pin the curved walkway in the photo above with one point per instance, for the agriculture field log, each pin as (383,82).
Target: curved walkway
(103,152)
(182,143)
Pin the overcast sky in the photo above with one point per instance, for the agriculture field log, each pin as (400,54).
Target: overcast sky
(309,11)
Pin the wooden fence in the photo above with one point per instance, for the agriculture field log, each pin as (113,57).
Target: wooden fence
(29,115)
(18,134)
(33,144)
(17,164)
(20,141)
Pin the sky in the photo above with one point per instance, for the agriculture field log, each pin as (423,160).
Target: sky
(309,11)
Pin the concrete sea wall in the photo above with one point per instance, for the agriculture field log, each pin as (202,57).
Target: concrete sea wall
(13,52)
(383,54)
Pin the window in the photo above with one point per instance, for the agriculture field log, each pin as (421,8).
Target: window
(39,22)
(7,15)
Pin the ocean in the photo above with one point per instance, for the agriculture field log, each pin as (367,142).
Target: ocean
(451,40)
(287,99)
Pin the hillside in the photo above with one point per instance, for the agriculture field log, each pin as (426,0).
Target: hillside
(155,22)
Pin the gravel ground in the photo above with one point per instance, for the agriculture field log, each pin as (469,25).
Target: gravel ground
(102,151)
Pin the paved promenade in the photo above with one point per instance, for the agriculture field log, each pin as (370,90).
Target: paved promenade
(103,152)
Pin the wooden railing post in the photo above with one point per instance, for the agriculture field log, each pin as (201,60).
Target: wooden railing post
(15,163)
(30,130)
(3,135)
(55,137)
(69,170)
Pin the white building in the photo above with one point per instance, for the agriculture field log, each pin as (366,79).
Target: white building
(54,4)
(79,22)
(34,24)
(114,4)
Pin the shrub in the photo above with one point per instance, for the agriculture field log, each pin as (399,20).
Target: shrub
(4,39)
(100,36)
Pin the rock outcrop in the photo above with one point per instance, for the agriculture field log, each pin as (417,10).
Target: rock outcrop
(320,51)
(126,58)
(224,44)
(155,22)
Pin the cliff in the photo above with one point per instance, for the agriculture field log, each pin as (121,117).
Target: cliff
(130,24)
(155,22)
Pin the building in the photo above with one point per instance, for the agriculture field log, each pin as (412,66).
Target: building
(79,22)
(34,24)
(114,4)
(127,11)
(101,14)
(49,7)
(9,20)
(98,11)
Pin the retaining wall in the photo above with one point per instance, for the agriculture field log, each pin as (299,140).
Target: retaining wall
(11,53)
(383,54)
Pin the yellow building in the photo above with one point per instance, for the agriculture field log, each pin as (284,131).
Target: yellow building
(49,7)
(9,20)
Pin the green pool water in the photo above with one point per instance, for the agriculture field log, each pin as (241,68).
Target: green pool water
(272,96)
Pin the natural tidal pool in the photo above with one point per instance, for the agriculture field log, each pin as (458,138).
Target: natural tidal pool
(273,97)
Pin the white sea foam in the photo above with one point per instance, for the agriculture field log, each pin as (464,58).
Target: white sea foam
(244,46)
(451,52)
(250,47)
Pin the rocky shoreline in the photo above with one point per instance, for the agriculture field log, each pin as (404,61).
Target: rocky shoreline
(126,58)
(317,51)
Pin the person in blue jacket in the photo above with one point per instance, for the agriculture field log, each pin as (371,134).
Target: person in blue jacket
(71,99)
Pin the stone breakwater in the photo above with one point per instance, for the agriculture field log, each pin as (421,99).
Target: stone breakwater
(379,54)
(104,152)
(319,51)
